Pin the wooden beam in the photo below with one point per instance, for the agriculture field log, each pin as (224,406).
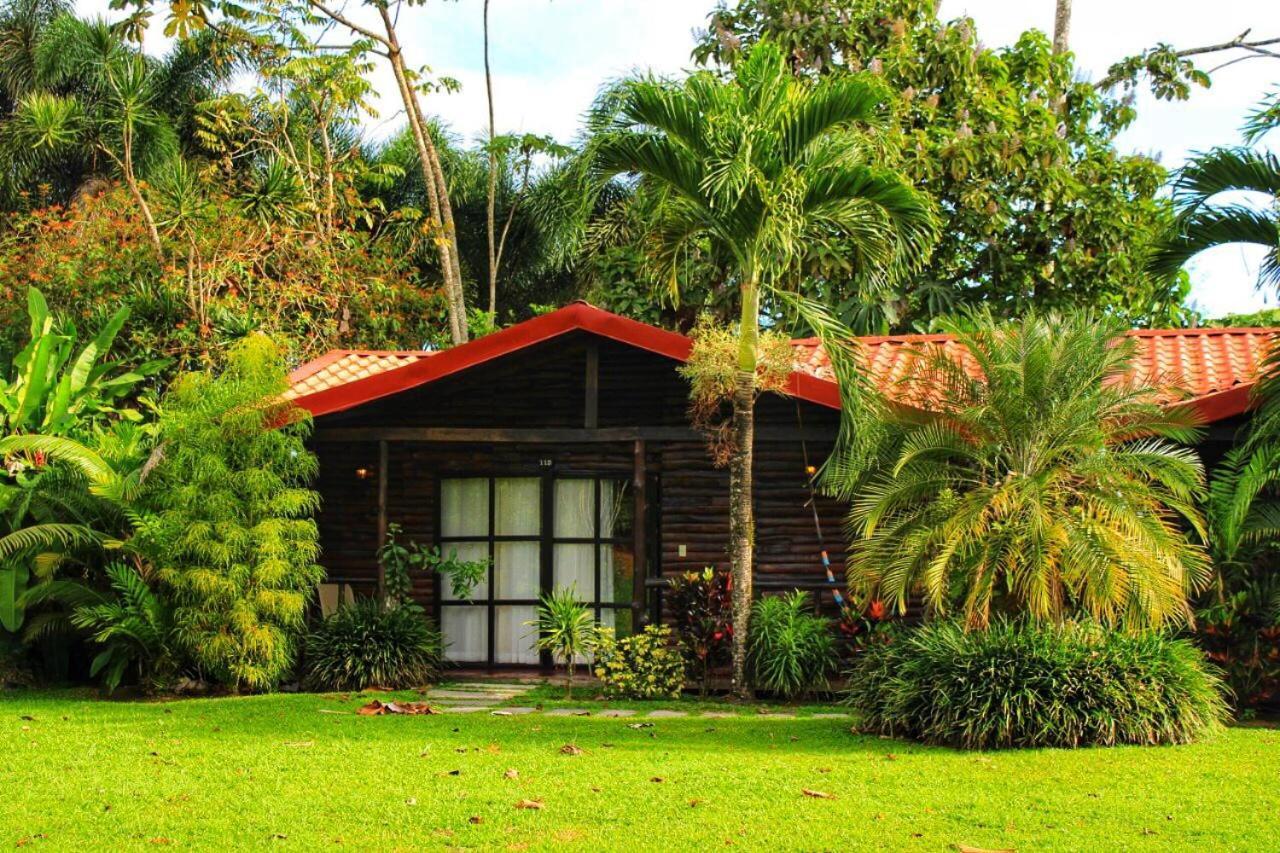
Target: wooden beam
(638,529)
(555,435)
(383,471)
(591,405)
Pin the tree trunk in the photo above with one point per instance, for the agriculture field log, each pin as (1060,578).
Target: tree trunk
(437,194)
(1062,27)
(493,174)
(135,189)
(741,512)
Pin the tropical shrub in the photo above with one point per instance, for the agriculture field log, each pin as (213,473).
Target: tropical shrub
(133,625)
(364,644)
(1049,485)
(1026,684)
(701,608)
(565,629)
(791,651)
(230,526)
(399,560)
(647,665)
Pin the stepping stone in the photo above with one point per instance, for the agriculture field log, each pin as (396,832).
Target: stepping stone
(465,709)
(489,688)
(718,715)
(830,716)
(666,715)
(467,694)
(568,712)
(512,712)
(618,712)
(778,716)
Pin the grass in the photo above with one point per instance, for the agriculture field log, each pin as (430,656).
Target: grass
(274,771)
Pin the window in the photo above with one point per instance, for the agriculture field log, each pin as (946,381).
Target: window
(584,541)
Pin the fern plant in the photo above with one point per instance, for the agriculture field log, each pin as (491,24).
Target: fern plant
(129,620)
(565,629)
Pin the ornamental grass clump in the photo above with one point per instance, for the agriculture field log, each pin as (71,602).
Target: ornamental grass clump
(791,651)
(1019,684)
(367,644)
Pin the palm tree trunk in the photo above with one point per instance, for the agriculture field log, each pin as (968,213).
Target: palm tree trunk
(437,194)
(493,174)
(741,512)
(135,189)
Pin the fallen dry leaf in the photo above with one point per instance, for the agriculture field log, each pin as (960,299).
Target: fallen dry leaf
(379,709)
(512,773)
(570,749)
(639,725)
(657,779)
(529,804)
(817,795)
(475,819)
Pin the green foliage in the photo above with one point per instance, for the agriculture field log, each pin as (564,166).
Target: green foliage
(398,560)
(365,644)
(647,665)
(1207,219)
(1021,685)
(51,483)
(565,629)
(1038,208)
(700,603)
(1048,484)
(134,626)
(230,529)
(790,651)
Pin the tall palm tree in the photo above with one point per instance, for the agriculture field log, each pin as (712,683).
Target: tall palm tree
(1048,484)
(1204,222)
(766,167)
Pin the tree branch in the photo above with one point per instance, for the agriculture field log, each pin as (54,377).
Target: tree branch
(350,24)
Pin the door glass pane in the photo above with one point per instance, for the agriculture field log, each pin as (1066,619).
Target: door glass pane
(466,631)
(466,551)
(617,574)
(464,507)
(616,508)
(575,565)
(575,509)
(516,569)
(513,639)
(517,506)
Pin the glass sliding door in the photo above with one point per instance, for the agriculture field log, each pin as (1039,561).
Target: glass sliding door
(581,527)
(498,519)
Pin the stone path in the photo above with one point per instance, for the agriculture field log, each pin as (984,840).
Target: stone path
(485,696)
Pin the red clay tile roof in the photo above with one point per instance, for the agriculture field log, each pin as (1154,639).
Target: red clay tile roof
(1216,367)
(341,366)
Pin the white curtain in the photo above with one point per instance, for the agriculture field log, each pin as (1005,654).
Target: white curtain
(575,509)
(464,507)
(466,632)
(516,569)
(517,506)
(575,566)
(513,640)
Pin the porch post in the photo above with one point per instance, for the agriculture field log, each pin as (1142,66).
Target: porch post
(639,525)
(382,513)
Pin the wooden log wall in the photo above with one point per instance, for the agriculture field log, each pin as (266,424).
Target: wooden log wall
(545,387)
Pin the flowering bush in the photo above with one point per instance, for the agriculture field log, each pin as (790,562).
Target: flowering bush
(642,666)
(700,604)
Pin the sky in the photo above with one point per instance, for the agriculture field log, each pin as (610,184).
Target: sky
(550,57)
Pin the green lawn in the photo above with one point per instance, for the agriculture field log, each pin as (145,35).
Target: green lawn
(276,771)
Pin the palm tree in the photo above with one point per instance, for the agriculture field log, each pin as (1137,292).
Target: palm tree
(1047,484)
(1204,223)
(766,168)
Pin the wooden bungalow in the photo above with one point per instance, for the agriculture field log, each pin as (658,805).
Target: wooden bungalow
(560,450)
